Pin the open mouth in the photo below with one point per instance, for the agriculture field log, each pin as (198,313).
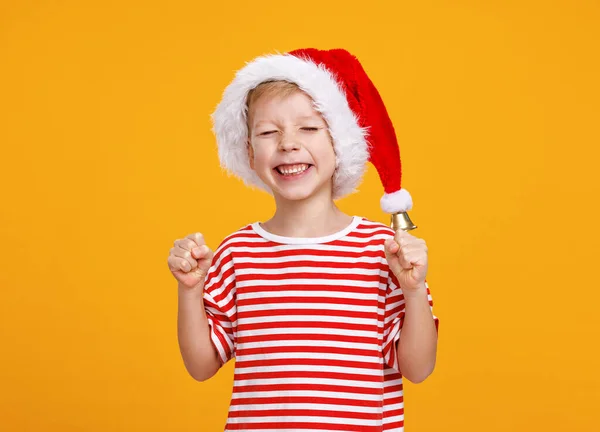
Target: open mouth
(292,170)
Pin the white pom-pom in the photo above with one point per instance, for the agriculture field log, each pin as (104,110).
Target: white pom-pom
(396,202)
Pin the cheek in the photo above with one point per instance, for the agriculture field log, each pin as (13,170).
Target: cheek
(261,157)
(326,156)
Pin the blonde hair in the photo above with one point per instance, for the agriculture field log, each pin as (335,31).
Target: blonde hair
(271,88)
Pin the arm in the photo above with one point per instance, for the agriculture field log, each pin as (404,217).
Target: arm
(199,354)
(417,345)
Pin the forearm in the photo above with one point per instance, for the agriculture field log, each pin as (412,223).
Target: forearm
(417,346)
(193,332)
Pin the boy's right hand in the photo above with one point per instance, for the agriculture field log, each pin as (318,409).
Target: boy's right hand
(189,260)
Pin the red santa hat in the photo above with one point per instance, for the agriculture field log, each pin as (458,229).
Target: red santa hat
(344,95)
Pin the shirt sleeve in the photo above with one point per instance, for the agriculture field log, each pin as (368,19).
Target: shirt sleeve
(220,304)
(394,319)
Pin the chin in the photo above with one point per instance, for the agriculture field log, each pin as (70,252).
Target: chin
(295,195)
(300,193)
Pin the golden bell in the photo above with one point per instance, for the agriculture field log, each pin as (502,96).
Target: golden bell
(402,221)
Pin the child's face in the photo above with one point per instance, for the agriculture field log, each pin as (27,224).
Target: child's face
(290,147)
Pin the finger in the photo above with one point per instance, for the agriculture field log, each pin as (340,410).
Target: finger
(416,258)
(190,243)
(400,233)
(173,263)
(391,246)
(403,238)
(197,238)
(198,251)
(186,243)
(186,255)
(411,249)
(404,260)
(206,253)
(201,252)
(178,264)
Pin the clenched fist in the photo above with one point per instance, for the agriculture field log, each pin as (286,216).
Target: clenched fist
(407,258)
(190,260)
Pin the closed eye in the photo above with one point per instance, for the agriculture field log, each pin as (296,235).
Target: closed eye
(267,133)
(310,129)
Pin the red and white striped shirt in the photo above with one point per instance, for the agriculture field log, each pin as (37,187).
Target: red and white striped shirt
(312,324)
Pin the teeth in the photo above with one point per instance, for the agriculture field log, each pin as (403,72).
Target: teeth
(293,169)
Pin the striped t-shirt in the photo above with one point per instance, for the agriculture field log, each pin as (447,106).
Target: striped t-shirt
(312,324)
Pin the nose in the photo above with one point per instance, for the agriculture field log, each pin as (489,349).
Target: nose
(288,142)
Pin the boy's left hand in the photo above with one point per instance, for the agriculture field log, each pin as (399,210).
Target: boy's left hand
(407,258)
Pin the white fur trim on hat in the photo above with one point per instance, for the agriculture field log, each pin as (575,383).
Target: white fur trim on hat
(395,202)
(230,125)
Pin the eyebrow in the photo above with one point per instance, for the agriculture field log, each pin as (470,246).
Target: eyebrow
(307,117)
(310,117)
(261,122)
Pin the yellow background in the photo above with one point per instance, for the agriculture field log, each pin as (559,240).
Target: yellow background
(107,157)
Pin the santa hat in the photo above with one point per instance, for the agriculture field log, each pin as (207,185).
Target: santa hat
(344,95)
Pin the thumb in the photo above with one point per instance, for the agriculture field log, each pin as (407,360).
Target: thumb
(207,257)
(204,258)
(391,254)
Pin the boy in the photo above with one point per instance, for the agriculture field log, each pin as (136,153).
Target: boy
(311,303)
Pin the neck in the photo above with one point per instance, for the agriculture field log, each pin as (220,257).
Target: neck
(317,216)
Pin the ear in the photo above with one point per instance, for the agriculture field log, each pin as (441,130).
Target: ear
(250,153)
